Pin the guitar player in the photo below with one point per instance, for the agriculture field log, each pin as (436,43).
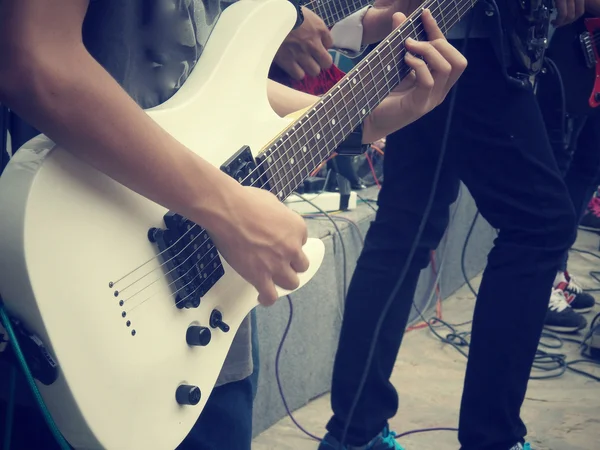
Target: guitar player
(574,131)
(81,71)
(494,140)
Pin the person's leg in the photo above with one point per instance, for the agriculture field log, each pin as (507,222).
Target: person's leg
(506,161)
(226,421)
(409,165)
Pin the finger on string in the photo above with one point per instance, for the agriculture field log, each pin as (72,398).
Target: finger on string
(457,61)
(397,19)
(439,68)
(431,27)
(407,82)
(424,82)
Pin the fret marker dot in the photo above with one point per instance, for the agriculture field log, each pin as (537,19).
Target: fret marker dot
(304,149)
(318,136)
(354,80)
(280,194)
(269,159)
(389,68)
(364,111)
(332,121)
(291,160)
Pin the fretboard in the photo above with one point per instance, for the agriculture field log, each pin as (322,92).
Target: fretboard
(289,159)
(332,11)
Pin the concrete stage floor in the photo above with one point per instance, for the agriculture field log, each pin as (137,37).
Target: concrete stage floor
(561,413)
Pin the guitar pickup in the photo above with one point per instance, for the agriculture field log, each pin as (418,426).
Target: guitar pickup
(189,259)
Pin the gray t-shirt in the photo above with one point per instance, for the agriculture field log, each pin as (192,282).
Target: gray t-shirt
(150,47)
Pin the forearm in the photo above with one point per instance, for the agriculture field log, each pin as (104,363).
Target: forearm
(285,100)
(593,7)
(77,104)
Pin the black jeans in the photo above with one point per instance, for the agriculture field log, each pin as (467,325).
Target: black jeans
(579,160)
(499,148)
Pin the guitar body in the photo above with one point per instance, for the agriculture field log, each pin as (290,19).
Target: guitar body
(580,74)
(79,270)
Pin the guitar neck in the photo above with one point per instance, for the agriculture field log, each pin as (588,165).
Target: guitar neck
(295,153)
(332,11)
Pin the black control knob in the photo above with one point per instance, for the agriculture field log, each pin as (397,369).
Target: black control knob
(197,335)
(187,394)
(216,321)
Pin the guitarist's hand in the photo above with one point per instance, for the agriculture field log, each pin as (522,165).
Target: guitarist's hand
(377,22)
(304,50)
(568,11)
(262,240)
(424,89)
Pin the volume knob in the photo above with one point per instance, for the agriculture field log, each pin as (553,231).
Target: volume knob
(187,394)
(197,335)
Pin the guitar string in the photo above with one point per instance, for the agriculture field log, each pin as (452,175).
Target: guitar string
(121,291)
(195,253)
(192,254)
(334,14)
(195,225)
(285,154)
(346,10)
(317,108)
(180,289)
(320,104)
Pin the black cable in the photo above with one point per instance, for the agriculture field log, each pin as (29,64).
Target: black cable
(277,358)
(285,403)
(594,274)
(412,251)
(554,363)
(344,269)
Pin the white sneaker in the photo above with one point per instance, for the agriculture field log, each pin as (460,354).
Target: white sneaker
(560,317)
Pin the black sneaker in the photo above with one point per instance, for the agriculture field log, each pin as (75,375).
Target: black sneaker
(591,219)
(560,317)
(580,301)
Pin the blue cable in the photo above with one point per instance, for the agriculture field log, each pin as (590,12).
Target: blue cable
(63,444)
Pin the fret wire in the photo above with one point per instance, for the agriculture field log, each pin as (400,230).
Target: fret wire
(392,43)
(330,13)
(298,155)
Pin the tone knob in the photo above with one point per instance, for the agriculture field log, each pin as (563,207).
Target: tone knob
(187,394)
(197,335)
(216,321)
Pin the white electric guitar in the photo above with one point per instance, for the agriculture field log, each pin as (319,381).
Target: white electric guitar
(133,302)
